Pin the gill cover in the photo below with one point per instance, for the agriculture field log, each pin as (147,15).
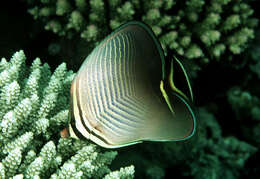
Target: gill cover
(122,94)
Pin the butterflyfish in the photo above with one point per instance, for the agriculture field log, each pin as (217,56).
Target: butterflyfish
(125,92)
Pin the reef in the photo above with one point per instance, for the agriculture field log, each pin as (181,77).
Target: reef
(193,29)
(218,42)
(34,109)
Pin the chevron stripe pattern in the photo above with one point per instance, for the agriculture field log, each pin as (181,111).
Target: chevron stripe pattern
(115,93)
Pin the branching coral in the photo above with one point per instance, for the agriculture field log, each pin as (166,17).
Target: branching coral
(194,29)
(247,109)
(244,104)
(34,108)
(218,156)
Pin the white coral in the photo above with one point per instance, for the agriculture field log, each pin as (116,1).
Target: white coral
(34,108)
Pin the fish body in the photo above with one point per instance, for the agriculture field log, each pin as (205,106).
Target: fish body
(122,94)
